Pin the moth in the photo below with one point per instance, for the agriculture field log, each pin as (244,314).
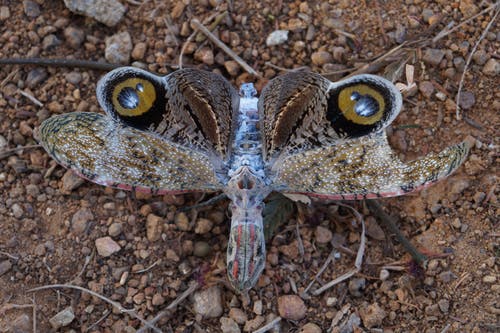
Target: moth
(192,131)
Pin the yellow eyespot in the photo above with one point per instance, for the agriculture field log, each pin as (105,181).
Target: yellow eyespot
(133,97)
(361,104)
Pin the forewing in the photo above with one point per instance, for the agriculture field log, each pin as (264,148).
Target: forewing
(363,168)
(108,153)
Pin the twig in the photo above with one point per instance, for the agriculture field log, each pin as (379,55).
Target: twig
(9,152)
(148,268)
(445,32)
(34,312)
(365,67)
(200,37)
(106,313)
(223,47)
(30,97)
(446,328)
(359,256)
(460,86)
(85,264)
(98,65)
(268,326)
(172,305)
(8,77)
(130,312)
(13,257)
(208,202)
(330,258)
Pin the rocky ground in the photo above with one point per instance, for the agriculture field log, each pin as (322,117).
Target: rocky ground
(142,253)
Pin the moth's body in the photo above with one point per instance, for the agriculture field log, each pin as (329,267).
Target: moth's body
(190,131)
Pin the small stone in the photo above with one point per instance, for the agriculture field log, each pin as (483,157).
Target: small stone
(291,307)
(80,219)
(257,307)
(115,229)
(153,227)
(334,23)
(63,318)
(106,246)
(373,229)
(331,301)
(444,305)
(21,323)
(157,300)
(310,328)
(384,274)
(172,255)
(468,8)
(109,12)
(232,67)
(432,310)
(426,88)
(35,77)
(118,48)
(238,315)
(71,181)
(277,37)
(205,55)
(492,67)
(4,13)
(31,8)
(456,223)
(5,266)
(433,56)
(254,324)
(373,315)
(178,9)
(321,57)
(479,197)
(489,279)
(201,249)
(182,222)
(228,325)
(109,206)
(296,25)
(17,211)
(139,51)
(356,286)
(208,302)
(467,100)
(40,250)
(480,57)
(323,235)
(74,36)
(50,41)
(427,14)
(447,276)
(73,77)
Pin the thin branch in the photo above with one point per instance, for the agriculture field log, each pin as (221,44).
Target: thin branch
(117,305)
(7,153)
(268,326)
(223,47)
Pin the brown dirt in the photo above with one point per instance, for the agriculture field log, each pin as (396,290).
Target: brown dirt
(40,245)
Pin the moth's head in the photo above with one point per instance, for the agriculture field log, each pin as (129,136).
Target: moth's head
(131,95)
(362,105)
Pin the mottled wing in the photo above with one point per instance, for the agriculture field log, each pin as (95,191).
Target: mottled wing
(363,168)
(109,153)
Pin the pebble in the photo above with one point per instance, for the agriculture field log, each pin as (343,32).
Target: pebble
(323,235)
(5,266)
(31,8)
(21,323)
(71,181)
(178,10)
(205,55)
(74,36)
(321,57)
(489,279)
(258,307)
(228,325)
(115,229)
(35,77)
(492,67)
(373,229)
(4,13)
(447,276)
(109,12)
(310,328)
(254,324)
(73,77)
(480,57)
(296,25)
(426,88)
(384,274)
(139,51)
(444,305)
(80,219)
(118,48)
(467,100)
(3,142)
(373,315)
(106,246)
(291,307)
(17,211)
(50,42)
(238,315)
(153,227)
(182,222)
(456,223)
(277,37)
(157,299)
(232,67)
(468,8)
(201,249)
(208,302)
(433,56)
(63,318)
(356,286)
(334,23)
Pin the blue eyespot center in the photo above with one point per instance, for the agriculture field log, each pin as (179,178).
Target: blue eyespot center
(128,97)
(366,105)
